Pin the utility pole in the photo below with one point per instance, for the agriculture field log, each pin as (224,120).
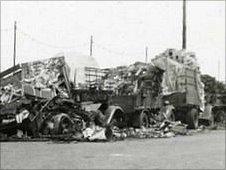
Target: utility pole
(184,26)
(91,46)
(146,54)
(14,46)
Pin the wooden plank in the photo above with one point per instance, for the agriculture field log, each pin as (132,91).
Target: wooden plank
(94,75)
(10,70)
(14,79)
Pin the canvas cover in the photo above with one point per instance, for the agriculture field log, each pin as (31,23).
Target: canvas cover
(181,74)
(78,63)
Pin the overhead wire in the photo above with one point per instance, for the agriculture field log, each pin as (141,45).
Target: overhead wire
(114,52)
(100,46)
(107,49)
(48,44)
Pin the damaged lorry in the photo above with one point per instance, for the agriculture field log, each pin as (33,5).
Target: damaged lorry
(40,99)
(167,88)
(35,98)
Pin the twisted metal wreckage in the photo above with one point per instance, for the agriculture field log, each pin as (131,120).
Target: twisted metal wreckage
(39,100)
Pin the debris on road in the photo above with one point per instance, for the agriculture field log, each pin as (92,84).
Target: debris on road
(163,129)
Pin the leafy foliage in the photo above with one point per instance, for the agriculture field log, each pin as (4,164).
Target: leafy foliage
(215,91)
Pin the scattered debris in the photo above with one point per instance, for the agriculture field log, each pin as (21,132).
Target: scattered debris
(165,129)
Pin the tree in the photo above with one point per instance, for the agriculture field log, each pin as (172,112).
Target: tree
(213,89)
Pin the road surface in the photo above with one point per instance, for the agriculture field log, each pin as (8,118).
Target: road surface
(200,151)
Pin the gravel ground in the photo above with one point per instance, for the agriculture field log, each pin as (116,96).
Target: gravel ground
(200,151)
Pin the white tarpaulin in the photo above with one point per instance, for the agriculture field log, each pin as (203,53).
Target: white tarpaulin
(77,63)
(176,65)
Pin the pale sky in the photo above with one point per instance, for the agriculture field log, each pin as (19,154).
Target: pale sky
(120,30)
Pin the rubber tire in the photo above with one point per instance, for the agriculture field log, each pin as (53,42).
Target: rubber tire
(143,120)
(192,118)
(220,116)
(58,120)
(119,120)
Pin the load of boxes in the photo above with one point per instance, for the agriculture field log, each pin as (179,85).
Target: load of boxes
(166,70)
(122,80)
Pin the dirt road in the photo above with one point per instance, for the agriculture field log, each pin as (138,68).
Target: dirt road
(200,151)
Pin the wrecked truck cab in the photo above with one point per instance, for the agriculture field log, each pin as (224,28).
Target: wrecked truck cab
(97,104)
(105,115)
(44,83)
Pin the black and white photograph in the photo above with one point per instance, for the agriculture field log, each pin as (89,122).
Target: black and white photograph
(112,84)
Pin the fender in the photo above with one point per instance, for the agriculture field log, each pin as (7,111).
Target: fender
(111,110)
(144,111)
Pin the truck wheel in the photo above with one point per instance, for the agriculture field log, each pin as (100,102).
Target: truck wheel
(220,116)
(192,118)
(143,120)
(62,124)
(118,119)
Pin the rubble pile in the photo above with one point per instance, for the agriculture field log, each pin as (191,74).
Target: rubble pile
(10,88)
(44,79)
(164,129)
(122,80)
(152,79)
(188,59)
(130,80)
